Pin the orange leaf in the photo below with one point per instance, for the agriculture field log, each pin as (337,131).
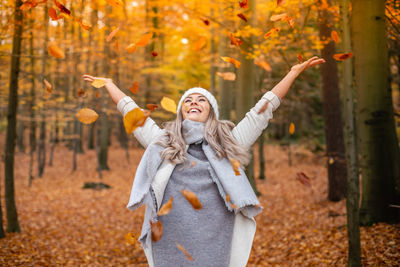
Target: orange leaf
(166,208)
(62,8)
(240,15)
(235,41)
(192,198)
(134,88)
(291,128)
(200,44)
(335,36)
(55,51)
(280,2)
(131,48)
(228,198)
(300,58)
(227,76)
(234,206)
(193,164)
(303,179)
(81,92)
(270,32)
(130,238)
(262,64)
(144,39)
(341,57)
(135,118)
(27,5)
(290,21)
(53,14)
(48,86)
(85,25)
(156,230)
(278,17)
(184,251)
(152,107)
(231,60)
(154,53)
(115,3)
(244,4)
(112,34)
(235,165)
(87,115)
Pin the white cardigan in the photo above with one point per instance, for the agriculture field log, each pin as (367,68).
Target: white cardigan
(246,133)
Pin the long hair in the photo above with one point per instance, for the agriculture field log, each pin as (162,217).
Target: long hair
(216,132)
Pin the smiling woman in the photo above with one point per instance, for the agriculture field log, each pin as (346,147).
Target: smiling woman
(198,155)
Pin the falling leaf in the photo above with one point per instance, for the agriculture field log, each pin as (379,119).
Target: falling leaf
(200,44)
(290,21)
(166,208)
(227,76)
(335,36)
(27,5)
(168,104)
(193,164)
(156,230)
(244,4)
(115,3)
(341,57)
(87,115)
(280,2)
(130,238)
(55,51)
(112,34)
(278,17)
(240,15)
(206,21)
(231,60)
(192,198)
(235,41)
(53,14)
(235,165)
(291,128)
(85,25)
(184,251)
(48,86)
(135,118)
(131,48)
(303,179)
(263,64)
(154,53)
(270,32)
(80,92)
(144,39)
(134,88)
(152,107)
(62,8)
(228,198)
(98,83)
(300,58)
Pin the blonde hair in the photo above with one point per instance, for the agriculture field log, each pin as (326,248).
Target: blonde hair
(216,132)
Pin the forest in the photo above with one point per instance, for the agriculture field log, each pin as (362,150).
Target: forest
(326,170)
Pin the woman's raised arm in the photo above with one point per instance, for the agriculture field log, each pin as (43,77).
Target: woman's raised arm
(115,93)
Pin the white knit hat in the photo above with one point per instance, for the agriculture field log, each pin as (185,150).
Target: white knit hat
(204,92)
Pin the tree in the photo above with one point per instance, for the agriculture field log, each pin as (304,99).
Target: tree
(378,142)
(11,209)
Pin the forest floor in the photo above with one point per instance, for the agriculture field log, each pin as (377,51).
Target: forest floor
(65,225)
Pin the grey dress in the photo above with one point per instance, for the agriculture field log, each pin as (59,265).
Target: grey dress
(206,234)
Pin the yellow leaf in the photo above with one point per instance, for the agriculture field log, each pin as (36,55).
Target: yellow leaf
(192,198)
(184,251)
(227,76)
(135,118)
(166,208)
(130,238)
(168,104)
(98,83)
(144,40)
(291,128)
(231,60)
(87,115)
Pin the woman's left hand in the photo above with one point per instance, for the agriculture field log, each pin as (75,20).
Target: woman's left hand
(314,61)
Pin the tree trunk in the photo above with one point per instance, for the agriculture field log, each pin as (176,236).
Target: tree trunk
(332,111)
(353,192)
(20,137)
(378,143)
(32,130)
(11,209)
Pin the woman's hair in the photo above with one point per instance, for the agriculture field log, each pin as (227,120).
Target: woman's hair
(216,132)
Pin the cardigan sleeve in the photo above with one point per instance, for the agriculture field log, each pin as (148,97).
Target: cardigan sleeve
(251,126)
(149,131)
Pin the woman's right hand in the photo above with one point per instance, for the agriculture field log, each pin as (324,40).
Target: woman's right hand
(90,79)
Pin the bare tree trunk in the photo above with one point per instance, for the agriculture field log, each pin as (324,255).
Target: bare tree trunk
(11,209)
(20,136)
(32,132)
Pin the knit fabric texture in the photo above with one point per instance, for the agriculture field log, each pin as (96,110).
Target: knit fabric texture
(211,99)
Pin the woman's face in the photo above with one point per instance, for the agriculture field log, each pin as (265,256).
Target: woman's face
(195,107)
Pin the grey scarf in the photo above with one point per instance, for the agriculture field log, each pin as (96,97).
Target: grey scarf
(238,187)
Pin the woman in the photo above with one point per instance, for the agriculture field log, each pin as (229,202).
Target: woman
(195,153)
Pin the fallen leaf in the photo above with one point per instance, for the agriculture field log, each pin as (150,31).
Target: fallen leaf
(231,60)
(235,165)
(131,48)
(156,230)
(192,198)
(98,83)
(55,51)
(335,36)
(154,53)
(270,32)
(341,57)
(228,76)
(291,128)
(87,115)
(184,251)
(303,179)
(244,4)
(152,107)
(235,41)
(144,39)
(240,15)
(168,104)
(112,34)
(278,17)
(166,208)
(80,92)
(135,118)
(134,88)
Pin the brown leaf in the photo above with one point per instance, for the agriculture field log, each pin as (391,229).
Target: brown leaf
(184,251)
(280,2)
(271,32)
(166,208)
(62,8)
(152,107)
(192,198)
(341,57)
(300,58)
(240,15)
(154,53)
(134,88)
(80,92)
(235,41)
(303,179)
(244,4)
(156,230)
